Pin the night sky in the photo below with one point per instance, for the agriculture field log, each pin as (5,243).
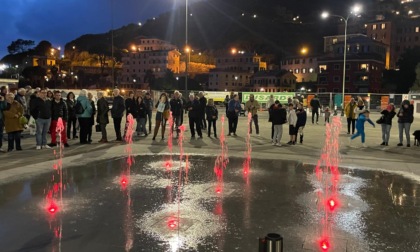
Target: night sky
(60,21)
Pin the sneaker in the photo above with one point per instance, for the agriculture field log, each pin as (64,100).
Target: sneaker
(290,143)
(38,147)
(408,145)
(258,134)
(386,144)
(200,137)
(1,150)
(19,149)
(46,147)
(364,145)
(400,144)
(273,143)
(52,144)
(383,143)
(234,134)
(66,145)
(278,144)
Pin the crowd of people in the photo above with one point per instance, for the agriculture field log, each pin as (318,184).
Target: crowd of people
(43,108)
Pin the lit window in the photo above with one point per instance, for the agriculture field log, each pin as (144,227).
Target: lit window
(374,27)
(334,41)
(383,26)
(364,67)
(417,29)
(364,78)
(311,70)
(322,68)
(297,70)
(303,70)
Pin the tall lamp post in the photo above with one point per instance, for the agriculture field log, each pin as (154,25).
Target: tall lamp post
(355,11)
(186,47)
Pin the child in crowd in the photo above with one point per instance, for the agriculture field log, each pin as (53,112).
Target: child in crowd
(360,126)
(327,114)
(301,121)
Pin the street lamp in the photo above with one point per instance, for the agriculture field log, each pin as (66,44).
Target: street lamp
(186,44)
(355,11)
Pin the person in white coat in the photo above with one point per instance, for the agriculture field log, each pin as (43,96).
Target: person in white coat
(292,119)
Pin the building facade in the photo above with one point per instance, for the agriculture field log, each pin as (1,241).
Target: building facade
(233,72)
(149,54)
(305,68)
(399,34)
(272,81)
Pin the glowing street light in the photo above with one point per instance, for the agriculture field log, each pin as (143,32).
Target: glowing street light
(304,50)
(133,48)
(354,11)
(233,51)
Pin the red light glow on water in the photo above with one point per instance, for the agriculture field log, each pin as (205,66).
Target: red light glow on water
(124,181)
(52,208)
(172,224)
(332,204)
(325,245)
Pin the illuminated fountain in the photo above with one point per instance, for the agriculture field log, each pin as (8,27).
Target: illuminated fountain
(328,176)
(248,152)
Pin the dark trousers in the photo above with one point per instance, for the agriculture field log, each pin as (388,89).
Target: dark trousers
(92,122)
(84,125)
(212,122)
(177,123)
(13,137)
(353,123)
(203,121)
(117,127)
(315,112)
(233,124)
(103,131)
(197,123)
(70,122)
(257,128)
(149,118)
(272,130)
(1,132)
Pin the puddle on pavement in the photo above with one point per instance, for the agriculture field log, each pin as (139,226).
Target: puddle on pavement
(379,211)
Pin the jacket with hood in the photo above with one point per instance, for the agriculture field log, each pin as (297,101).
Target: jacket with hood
(405,115)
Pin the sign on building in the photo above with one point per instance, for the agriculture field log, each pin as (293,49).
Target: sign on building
(263,97)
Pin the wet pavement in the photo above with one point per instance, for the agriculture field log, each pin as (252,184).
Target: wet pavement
(156,208)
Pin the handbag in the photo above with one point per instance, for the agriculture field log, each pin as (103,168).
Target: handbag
(166,114)
(98,128)
(380,120)
(23,120)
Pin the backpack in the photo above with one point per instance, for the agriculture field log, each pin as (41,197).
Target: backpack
(78,108)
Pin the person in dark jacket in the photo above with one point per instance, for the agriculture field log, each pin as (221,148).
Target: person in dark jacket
(203,104)
(234,107)
(148,103)
(72,119)
(176,109)
(141,116)
(92,117)
(130,105)
(117,113)
(41,112)
(387,115)
(212,115)
(162,115)
(405,119)
(278,117)
(58,110)
(102,116)
(301,121)
(315,105)
(194,109)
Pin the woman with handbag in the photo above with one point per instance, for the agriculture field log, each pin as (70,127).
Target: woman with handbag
(162,115)
(12,122)
(386,122)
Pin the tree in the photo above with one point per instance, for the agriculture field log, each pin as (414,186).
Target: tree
(20,46)
(407,64)
(43,48)
(36,75)
(416,86)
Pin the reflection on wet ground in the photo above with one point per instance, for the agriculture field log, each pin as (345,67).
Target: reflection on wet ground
(147,210)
